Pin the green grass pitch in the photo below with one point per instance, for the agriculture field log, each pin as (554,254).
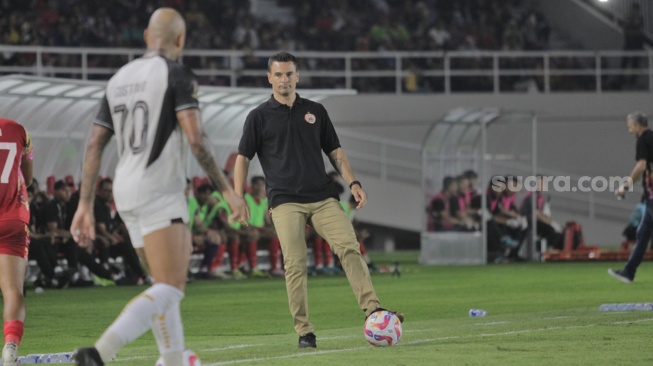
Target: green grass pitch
(539,314)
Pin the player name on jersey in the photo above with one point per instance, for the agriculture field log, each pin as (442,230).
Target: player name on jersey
(122,91)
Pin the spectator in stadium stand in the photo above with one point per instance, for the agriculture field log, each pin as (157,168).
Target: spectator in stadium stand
(289,134)
(634,39)
(318,26)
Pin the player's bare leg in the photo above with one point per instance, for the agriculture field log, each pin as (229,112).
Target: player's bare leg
(168,253)
(12,278)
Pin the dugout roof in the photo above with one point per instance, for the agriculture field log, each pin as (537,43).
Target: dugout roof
(58,114)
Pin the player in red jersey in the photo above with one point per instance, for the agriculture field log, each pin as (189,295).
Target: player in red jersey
(15,177)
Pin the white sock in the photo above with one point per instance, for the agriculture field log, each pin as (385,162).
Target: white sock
(169,334)
(136,318)
(173,358)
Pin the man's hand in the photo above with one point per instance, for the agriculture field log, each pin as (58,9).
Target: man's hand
(83,225)
(359,195)
(239,209)
(621,192)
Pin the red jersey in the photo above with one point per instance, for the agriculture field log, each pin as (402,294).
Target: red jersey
(15,145)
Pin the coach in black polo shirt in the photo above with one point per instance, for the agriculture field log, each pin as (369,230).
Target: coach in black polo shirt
(289,134)
(638,127)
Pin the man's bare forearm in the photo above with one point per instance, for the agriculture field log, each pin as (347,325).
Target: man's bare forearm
(202,153)
(336,162)
(92,161)
(240,174)
(340,163)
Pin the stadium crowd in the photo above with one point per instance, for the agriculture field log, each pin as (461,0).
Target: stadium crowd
(370,25)
(223,249)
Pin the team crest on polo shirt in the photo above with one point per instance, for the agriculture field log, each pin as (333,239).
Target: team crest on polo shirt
(310,118)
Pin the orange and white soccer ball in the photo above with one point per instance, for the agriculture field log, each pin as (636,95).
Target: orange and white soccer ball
(382,329)
(190,359)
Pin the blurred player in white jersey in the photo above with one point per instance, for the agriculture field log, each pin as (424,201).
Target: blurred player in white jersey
(148,104)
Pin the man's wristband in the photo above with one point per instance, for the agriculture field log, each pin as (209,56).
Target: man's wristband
(355,182)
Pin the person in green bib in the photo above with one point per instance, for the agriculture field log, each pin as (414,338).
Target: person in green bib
(234,231)
(261,229)
(208,237)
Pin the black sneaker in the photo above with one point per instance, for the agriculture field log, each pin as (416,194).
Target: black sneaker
(399,314)
(307,341)
(621,275)
(87,357)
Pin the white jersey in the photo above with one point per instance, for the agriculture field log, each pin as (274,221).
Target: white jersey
(140,107)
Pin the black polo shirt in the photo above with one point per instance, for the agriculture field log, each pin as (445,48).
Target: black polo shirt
(289,143)
(644,151)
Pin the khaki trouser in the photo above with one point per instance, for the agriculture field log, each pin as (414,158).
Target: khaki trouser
(330,222)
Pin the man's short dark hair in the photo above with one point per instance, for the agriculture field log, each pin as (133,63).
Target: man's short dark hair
(470,174)
(282,57)
(60,184)
(105,181)
(205,188)
(447,182)
(639,118)
(256,179)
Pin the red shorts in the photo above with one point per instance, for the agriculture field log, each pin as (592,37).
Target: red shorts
(14,238)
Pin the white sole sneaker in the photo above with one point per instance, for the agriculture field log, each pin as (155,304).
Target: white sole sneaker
(10,354)
(619,276)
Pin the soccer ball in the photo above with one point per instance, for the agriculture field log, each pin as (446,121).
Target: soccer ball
(190,359)
(382,329)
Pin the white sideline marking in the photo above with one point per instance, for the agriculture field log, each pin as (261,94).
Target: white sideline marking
(231,347)
(634,321)
(493,323)
(558,317)
(202,350)
(339,337)
(417,342)
(286,356)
